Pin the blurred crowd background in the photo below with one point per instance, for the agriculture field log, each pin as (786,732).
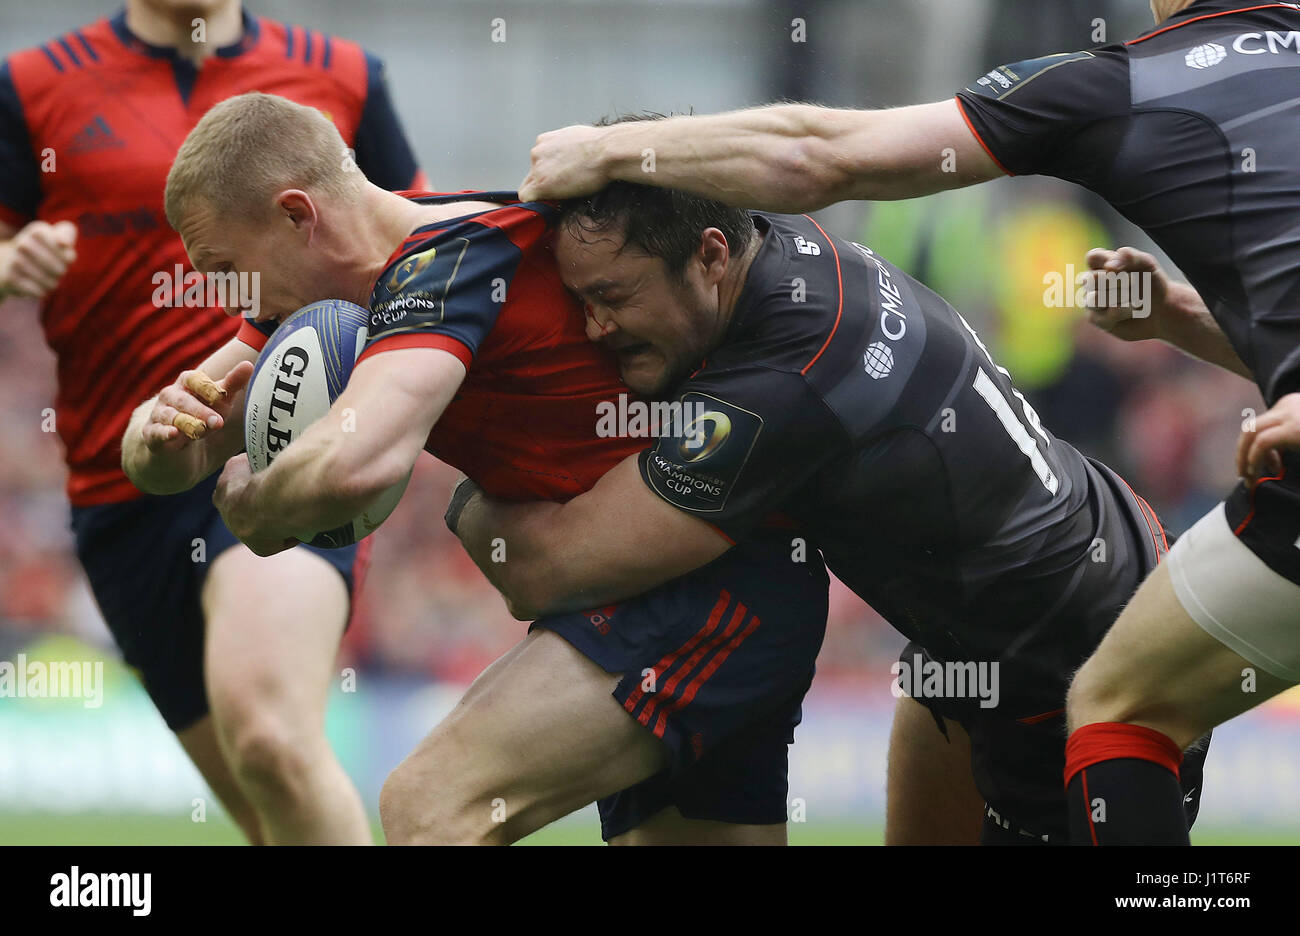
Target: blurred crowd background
(472,108)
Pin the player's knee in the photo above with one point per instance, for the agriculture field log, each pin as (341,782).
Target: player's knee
(267,756)
(415,810)
(430,799)
(1099,693)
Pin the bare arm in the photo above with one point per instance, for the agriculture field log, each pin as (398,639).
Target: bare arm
(1157,308)
(617,540)
(786,157)
(331,473)
(158,457)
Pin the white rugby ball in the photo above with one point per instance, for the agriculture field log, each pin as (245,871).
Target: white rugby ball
(299,374)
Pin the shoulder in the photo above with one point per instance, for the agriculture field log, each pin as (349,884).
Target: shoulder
(48,66)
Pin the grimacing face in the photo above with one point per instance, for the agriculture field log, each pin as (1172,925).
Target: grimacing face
(272,248)
(659,328)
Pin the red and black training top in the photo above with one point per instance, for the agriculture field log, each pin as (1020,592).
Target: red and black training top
(89,125)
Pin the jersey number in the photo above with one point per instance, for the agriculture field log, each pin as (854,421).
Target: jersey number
(986,388)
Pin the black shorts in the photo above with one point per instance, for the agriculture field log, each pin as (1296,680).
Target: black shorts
(716,664)
(147,560)
(1018,744)
(1018,761)
(1265,515)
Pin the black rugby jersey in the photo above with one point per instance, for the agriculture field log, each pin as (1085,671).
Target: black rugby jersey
(854,400)
(1192,132)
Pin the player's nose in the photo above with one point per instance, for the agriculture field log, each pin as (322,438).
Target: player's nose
(598,329)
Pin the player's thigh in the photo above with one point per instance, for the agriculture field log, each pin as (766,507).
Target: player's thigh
(931,798)
(273,630)
(670,827)
(538,736)
(1157,667)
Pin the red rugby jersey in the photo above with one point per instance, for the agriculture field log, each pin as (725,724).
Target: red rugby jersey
(485,287)
(89,125)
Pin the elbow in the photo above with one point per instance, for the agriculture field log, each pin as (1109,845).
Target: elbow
(530,595)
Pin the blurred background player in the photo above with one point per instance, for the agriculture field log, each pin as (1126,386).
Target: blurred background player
(89,123)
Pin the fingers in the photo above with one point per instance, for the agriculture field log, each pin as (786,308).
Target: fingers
(1098,257)
(183,400)
(237,378)
(529,189)
(41,254)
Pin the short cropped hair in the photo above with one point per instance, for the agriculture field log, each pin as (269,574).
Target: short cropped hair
(251,146)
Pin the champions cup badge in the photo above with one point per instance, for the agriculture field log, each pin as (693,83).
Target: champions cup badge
(704,435)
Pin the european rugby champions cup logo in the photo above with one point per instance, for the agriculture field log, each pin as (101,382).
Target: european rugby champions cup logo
(703,436)
(697,466)
(410,268)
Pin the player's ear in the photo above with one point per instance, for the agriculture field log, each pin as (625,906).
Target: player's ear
(714,254)
(297,207)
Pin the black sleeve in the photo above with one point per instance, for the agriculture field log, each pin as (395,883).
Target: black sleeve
(446,291)
(383,153)
(20,176)
(747,438)
(1025,113)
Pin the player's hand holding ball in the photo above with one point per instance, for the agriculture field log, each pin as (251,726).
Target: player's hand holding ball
(193,406)
(1119,320)
(34,261)
(566,164)
(232,500)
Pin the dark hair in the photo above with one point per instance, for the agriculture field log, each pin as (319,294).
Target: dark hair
(661,222)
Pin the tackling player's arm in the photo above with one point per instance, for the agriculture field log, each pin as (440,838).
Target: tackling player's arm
(158,457)
(668,510)
(1175,314)
(785,157)
(617,540)
(367,443)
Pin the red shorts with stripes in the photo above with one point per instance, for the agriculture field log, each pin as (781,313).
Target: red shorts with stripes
(716,664)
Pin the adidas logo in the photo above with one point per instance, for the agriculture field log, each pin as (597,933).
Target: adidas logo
(94,136)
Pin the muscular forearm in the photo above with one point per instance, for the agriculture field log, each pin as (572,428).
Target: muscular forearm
(1186,323)
(795,157)
(162,472)
(318,483)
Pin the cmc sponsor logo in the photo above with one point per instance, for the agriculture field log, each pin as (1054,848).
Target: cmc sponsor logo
(1267,43)
(1205,56)
(878,360)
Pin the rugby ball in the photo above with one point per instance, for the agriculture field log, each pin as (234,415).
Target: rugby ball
(299,374)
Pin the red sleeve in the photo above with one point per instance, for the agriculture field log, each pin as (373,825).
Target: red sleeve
(251,335)
(421,340)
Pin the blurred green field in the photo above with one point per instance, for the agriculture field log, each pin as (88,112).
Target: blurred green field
(108,829)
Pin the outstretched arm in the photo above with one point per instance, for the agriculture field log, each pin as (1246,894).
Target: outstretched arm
(785,157)
(617,540)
